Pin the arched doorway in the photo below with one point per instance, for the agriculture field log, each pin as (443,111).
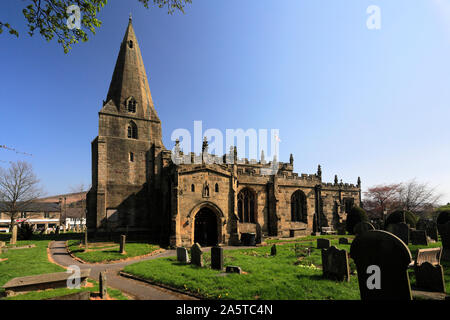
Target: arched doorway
(206,230)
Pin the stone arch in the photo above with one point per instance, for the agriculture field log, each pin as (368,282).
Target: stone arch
(299,207)
(207,220)
(246,204)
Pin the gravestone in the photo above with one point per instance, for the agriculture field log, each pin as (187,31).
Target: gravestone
(430,227)
(444,231)
(430,277)
(343,241)
(400,230)
(418,237)
(13,235)
(273,250)
(217,258)
(197,255)
(323,243)
(233,269)
(382,261)
(2,244)
(362,227)
(335,264)
(182,255)
(102,285)
(122,244)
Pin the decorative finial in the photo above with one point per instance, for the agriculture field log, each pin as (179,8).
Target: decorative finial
(205,145)
(359,181)
(291,159)
(319,170)
(335,179)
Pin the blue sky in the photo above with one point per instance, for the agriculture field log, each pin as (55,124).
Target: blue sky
(360,102)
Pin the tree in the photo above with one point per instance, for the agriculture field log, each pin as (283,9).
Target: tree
(417,197)
(381,198)
(50,18)
(19,187)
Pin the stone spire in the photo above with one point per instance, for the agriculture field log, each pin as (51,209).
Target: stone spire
(129,79)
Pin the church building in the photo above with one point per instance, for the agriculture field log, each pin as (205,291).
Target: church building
(138,187)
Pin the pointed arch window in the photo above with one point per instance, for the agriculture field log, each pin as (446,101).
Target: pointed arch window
(192,188)
(246,206)
(131,105)
(299,211)
(132,130)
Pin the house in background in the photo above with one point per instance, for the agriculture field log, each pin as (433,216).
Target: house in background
(42,215)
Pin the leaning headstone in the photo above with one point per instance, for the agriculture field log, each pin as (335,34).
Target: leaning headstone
(362,227)
(323,243)
(273,250)
(400,230)
(335,264)
(444,231)
(382,261)
(217,258)
(233,269)
(182,255)
(343,241)
(430,277)
(122,244)
(102,285)
(418,237)
(197,255)
(13,235)
(430,227)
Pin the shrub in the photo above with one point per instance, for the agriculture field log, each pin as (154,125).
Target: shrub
(444,217)
(355,216)
(24,231)
(397,217)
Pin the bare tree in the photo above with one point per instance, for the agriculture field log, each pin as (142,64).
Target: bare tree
(19,187)
(417,197)
(381,198)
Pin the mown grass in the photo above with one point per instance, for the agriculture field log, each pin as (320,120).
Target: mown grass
(53,293)
(268,277)
(307,238)
(280,277)
(132,249)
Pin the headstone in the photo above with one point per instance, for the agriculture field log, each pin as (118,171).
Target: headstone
(382,261)
(444,231)
(418,237)
(273,250)
(343,241)
(197,255)
(323,243)
(430,227)
(14,235)
(362,227)
(102,285)
(400,230)
(430,277)
(182,255)
(2,244)
(122,244)
(217,258)
(233,269)
(335,264)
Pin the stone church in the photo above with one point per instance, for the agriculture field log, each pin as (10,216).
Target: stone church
(137,187)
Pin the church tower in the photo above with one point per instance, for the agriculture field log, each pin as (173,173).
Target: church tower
(126,155)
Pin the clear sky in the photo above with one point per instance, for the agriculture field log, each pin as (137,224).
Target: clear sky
(360,102)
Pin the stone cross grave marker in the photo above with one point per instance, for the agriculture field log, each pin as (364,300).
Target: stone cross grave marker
(122,244)
(102,285)
(323,243)
(400,230)
(382,261)
(217,258)
(197,255)
(182,255)
(430,277)
(418,237)
(362,227)
(335,264)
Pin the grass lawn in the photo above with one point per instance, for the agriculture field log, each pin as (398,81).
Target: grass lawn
(34,261)
(282,277)
(307,238)
(109,252)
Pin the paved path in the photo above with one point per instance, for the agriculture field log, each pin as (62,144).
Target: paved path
(135,289)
